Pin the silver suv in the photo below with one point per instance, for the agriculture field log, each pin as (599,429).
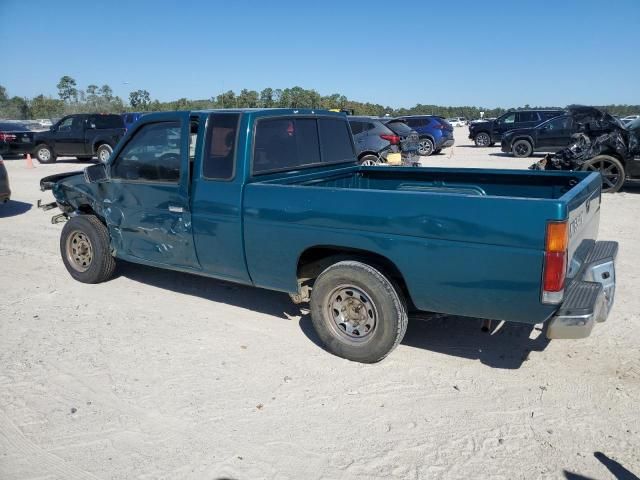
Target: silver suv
(384,141)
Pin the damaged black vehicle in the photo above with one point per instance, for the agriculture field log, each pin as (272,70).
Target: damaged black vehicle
(602,144)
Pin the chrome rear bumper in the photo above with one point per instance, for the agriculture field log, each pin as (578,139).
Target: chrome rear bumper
(589,297)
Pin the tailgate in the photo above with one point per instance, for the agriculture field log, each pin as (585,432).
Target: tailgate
(583,208)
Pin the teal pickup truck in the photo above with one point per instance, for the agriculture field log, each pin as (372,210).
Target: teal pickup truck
(275,198)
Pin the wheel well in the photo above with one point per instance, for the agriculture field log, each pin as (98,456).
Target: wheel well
(428,137)
(98,143)
(368,153)
(481,131)
(517,139)
(315,260)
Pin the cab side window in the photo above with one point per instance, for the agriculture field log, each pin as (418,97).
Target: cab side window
(219,159)
(152,155)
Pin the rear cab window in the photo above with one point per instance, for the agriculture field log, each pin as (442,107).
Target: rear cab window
(101,122)
(219,160)
(286,143)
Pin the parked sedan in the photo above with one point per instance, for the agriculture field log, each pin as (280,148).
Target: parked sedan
(383,141)
(5,191)
(15,138)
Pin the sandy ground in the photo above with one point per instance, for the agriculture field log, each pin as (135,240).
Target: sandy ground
(165,375)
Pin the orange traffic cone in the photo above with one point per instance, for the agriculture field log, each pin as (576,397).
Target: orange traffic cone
(29,161)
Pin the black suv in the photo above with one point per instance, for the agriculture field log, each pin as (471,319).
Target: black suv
(81,135)
(486,134)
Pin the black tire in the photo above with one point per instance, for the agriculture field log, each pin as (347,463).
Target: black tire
(611,169)
(522,148)
(383,323)
(98,265)
(369,160)
(482,139)
(103,152)
(425,147)
(437,151)
(45,154)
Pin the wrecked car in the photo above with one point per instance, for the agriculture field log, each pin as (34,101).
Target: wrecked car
(275,198)
(600,144)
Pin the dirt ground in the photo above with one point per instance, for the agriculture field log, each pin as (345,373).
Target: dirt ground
(158,374)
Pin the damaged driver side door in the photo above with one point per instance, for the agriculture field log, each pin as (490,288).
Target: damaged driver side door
(146,204)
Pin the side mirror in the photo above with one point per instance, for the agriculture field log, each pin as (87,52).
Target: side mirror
(96,173)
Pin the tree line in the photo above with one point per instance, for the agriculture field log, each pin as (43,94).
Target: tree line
(95,98)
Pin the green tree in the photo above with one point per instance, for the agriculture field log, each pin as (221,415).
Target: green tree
(106,92)
(247,98)
(227,100)
(266,98)
(46,107)
(67,89)
(139,99)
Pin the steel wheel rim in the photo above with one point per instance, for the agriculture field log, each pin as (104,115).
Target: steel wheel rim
(609,172)
(425,147)
(482,139)
(79,251)
(369,163)
(104,154)
(44,154)
(352,314)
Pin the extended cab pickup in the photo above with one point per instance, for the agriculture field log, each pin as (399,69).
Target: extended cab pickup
(81,135)
(275,198)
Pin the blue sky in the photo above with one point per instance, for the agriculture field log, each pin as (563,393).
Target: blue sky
(461,52)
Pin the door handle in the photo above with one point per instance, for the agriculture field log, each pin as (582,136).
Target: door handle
(174,209)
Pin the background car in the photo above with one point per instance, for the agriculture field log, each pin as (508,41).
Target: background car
(628,119)
(486,134)
(375,138)
(549,136)
(435,132)
(130,118)
(5,191)
(15,138)
(457,121)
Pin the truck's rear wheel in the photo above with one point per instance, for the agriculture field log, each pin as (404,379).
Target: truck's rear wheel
(357,312)
(611,169)
(104,152)
(84,246)
(44,154)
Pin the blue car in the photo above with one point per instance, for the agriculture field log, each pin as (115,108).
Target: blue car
(435,132)
(131,118)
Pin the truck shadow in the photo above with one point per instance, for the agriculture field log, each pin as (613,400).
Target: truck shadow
(504,346)
(13,208)
(507,347)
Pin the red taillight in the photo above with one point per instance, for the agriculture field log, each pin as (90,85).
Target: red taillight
(555,271)
(7,137)
(555,262)
(392,139)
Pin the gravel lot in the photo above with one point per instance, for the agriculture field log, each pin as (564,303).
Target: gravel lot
(158,374)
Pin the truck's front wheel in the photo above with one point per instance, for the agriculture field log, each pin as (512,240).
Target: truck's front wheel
(84,246)
(357,312)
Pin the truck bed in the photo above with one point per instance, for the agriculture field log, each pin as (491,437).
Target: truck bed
(476,237)
(500,183)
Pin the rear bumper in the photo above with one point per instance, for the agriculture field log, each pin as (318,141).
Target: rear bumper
(445,143)
(589,298)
